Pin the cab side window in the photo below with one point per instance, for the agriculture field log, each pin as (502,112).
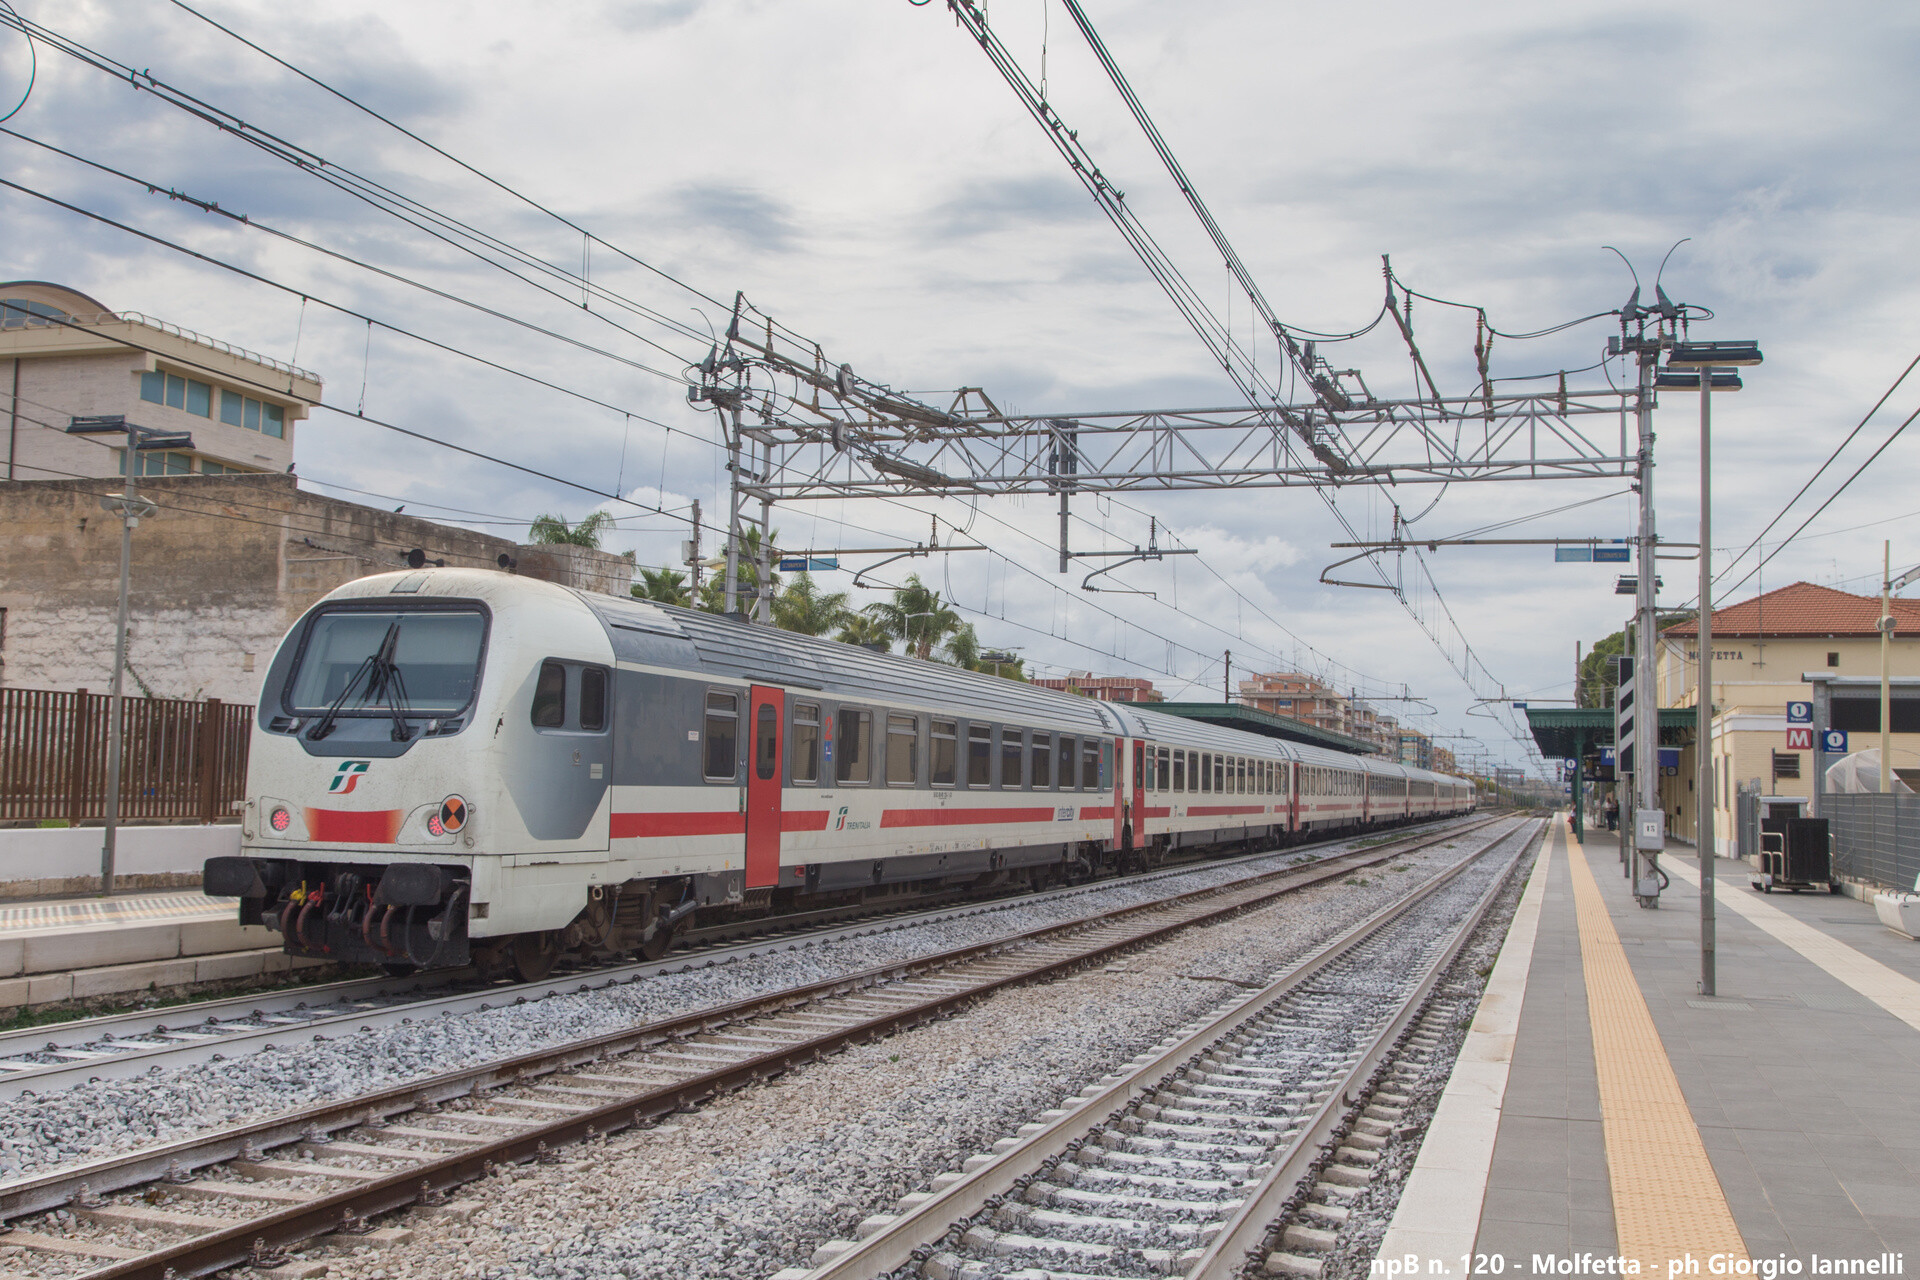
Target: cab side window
(550,697)
(593,699)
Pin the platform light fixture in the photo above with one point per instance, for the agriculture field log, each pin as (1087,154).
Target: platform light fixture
(1704,361)
(130,507)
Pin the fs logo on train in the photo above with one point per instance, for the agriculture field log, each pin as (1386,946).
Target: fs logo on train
(347,777)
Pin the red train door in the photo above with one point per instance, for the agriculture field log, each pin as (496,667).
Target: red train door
(1140,753)
(768,718)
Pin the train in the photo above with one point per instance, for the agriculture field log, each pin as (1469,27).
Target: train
(466,767)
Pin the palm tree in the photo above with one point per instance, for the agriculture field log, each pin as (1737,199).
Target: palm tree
(713,593)
(552,530)
(917,616)
(663,586)
(804,608)
(863,629)
(963,650)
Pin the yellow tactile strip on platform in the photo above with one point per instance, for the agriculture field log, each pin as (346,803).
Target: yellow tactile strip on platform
(1667,1202)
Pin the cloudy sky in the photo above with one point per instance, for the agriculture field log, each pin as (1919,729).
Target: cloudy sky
(860,172)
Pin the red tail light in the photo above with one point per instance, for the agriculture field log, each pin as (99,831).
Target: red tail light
(281,819)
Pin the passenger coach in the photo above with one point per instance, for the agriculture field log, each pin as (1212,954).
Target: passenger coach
(455,766)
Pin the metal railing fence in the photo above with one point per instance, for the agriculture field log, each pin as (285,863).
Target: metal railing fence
(1876,838)
(184,761)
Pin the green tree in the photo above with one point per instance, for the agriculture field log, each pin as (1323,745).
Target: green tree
(553,531)
(962,648)
(916,616)
(1597,672)
(864,629)
(805,608)
(663,586)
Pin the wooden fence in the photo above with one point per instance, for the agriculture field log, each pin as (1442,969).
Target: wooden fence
(183,761)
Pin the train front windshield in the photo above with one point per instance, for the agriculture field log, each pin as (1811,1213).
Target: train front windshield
(435,656)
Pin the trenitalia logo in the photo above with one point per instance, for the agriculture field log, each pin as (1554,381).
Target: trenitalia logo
(347,777)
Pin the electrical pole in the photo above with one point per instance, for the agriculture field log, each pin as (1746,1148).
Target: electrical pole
(733,510)
(1649,818)
(117,713)
(693,554)
(1886,669)
(1703,797)
(1226,680)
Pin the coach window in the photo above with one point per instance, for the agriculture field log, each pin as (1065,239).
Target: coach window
(593,699)
(804,747)
(1065,771)
(550,697)
(1203,764)
(1089,764)
(1166,770)
(1010,763)
(1240,775)
(945,758)
(1179,768)
(723,721)
(979,755)
(854,746)
(903,750)
(1042,779)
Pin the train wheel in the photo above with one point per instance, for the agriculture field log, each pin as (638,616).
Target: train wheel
(398,970)
(534,955)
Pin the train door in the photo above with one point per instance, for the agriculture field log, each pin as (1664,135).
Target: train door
(1119,792)
(1141,752)
(1293,795)
(768,716)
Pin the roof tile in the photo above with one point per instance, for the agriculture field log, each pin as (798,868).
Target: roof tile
(1803,609)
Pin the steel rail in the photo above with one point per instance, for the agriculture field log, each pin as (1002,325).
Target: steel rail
(206,1043)
(426,1180)
(901,1241)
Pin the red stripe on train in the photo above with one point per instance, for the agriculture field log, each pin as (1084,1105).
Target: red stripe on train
(1222,810)
(624,826)
(959,817)
(375,826)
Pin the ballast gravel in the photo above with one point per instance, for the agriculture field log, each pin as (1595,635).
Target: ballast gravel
(97,1119)
(759,1180)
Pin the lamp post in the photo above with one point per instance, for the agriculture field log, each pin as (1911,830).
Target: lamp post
(1698,361)
(1888,585)
(129,506)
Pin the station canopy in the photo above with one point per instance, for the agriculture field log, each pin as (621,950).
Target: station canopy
(1571,733)
(1232,715)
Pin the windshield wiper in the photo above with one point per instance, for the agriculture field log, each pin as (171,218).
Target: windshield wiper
(382,675)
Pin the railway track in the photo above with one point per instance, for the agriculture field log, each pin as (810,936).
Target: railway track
(122,1046)
(245,1193)
(1183,1164)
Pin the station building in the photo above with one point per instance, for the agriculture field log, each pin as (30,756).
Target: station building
(1762,648)
(66,356)
(236,551)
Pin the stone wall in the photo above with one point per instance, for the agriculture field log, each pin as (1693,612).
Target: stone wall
(219,574)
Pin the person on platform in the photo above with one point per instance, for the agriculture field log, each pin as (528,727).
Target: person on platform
(1613,811)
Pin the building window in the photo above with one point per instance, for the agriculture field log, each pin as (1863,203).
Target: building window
(1786,764)
(158,462)
(1833,659)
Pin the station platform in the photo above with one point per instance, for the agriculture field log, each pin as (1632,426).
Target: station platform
(1604,1108)
(79,948)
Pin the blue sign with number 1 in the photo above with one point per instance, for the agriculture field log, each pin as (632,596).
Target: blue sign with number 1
(1834,742)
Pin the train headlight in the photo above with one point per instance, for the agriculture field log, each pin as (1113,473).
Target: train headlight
(435,827)
(281,819)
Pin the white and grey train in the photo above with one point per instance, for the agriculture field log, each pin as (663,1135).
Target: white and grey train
(456,766)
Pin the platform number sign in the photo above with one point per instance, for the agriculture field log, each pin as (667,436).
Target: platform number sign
(1799,713)
(1800,739)
(1833,741)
